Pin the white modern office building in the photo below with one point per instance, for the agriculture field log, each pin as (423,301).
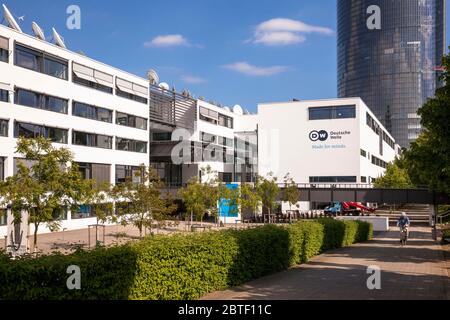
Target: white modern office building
(98,112)
(336,141)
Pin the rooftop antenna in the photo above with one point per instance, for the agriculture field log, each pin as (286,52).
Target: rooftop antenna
(37,31)
(11,21)
(153,77)
(58,39)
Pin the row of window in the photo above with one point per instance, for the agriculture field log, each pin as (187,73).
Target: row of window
(46,102)
(216,118)
(377,129)
(378,162)
(42,62)
(59,135)
(210,138)
(332,112)
(343,179)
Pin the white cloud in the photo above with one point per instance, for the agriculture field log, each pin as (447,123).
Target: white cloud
(282,31)
(170,40)
(251,70)
(190,79)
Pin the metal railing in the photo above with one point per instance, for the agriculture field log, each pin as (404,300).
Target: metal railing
(173,109)
(345,186)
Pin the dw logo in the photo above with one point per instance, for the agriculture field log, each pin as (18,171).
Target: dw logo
(318,135)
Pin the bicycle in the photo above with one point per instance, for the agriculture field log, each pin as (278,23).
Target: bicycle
(404,235)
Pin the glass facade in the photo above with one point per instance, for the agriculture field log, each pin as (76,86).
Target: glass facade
(396,68)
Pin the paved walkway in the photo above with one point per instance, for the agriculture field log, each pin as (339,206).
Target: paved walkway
(417,271)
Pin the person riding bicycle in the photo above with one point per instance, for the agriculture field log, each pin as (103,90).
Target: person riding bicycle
(404,223)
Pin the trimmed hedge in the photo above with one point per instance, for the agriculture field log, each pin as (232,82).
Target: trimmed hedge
(179,266)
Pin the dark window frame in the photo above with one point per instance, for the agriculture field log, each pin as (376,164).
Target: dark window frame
(94,114)
(42,101)
(92,140)
(4,96)
(129,120)
(131,145)
(91,85)
(331,112)
(43,131)
(41,59)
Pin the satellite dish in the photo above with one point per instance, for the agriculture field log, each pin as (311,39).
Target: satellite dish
(58,39)
(153,77)
(11,21)
(227,109)
(164,86)
(237,109)
(37,31)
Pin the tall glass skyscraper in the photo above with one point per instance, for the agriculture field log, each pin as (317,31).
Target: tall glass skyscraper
(389,54)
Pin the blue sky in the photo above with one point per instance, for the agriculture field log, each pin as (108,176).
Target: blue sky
(230,51)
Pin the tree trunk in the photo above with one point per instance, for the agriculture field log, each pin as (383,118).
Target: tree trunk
(36,227)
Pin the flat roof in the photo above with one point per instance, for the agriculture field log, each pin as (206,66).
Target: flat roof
(310,101)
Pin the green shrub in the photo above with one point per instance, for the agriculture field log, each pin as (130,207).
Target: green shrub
(179,266)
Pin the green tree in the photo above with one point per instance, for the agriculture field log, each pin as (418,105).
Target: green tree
(49,185)
(142,203)
(268,191)
(429,157)
(250,199)
(193,196)
(291,194)
(395,177)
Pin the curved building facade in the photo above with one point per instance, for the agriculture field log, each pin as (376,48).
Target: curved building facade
(389,54)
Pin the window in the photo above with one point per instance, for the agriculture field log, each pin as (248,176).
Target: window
(209,115)
(162,136)
(124,144)
(92,78)
(124,119)
(128,173)
(59,214)
(40,101)
(363,179)
(91,112)
(332,179)
(3,217)
(333,112)
(2,169)
(378,162)
(225,121)
(101,173)
(40,62)
(209,138)
(91,140)
(29,130)
(4,50)
(4,95)
(4,128)
(363,153)
(132,91)
(227,142)
(226,177)
(83,212)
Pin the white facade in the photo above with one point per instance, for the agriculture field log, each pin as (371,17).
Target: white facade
(326,150)
(15,78)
